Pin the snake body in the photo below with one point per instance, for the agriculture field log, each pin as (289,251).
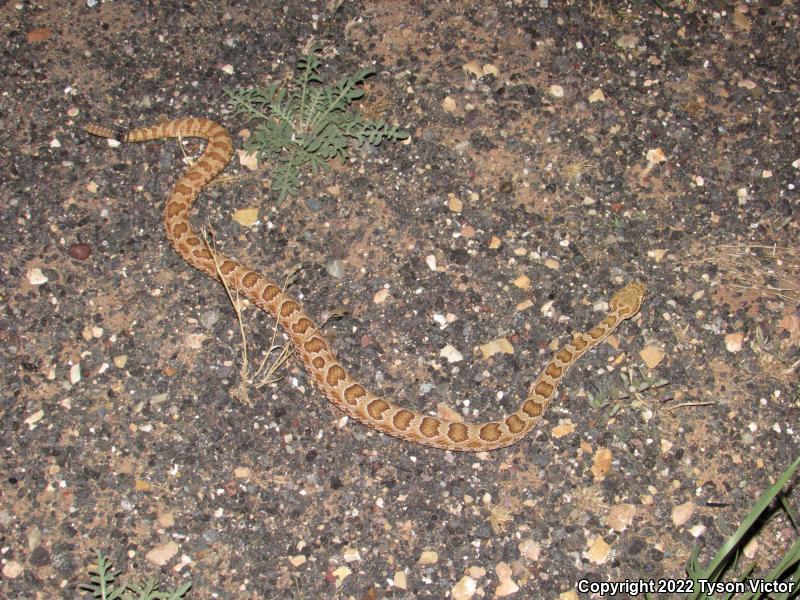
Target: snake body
(312,347)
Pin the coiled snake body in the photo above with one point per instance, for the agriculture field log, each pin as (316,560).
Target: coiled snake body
(315,352)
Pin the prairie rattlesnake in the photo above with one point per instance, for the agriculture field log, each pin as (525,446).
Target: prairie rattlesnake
(317,356)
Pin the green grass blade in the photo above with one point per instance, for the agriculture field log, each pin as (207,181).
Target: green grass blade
(720,561)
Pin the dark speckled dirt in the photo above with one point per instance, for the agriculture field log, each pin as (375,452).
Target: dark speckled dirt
(124,426)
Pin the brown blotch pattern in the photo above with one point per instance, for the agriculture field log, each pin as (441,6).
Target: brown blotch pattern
(227,267)
(564,355)
(313,345)
(180,229)
(353,393)
(318,362)
(490,432)
(220,143)
(202,254)
(376,408)
(402,418)
(553,371)
(334,375)
(289,307)
(609,320)
(457,432)
(250,279)
(543,389)
(215,156)
(515,424)
(532,408)
(270,292)
(303,324)
(183,189)
(429,427)
(579,343)
(596,333)
(174,208)
(204,165)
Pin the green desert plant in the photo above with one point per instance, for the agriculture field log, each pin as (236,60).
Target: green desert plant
(781,582)
(102,585)
(307,124)
(633,385)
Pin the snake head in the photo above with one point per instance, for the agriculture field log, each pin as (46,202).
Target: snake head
(628,300)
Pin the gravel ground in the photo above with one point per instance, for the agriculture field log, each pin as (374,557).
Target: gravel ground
(557,151)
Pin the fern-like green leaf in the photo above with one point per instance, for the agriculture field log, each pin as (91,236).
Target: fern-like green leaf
(101,585)
(147,592)
(309,124)
(101,581)
(285,180)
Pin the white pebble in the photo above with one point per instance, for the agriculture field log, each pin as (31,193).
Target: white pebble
(451,354)
(75,373)
(36,277)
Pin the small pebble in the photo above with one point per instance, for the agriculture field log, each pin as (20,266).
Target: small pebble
(733,342)
(552,263)
(597,96)
(12,569)
(682,513)
(656,155)
(473,67)
(620,516)
(399,580)
(161,555)
(341,573)
(530,549)
(652,356)
(351,555)
(249,160)
(598,552)
(507,585)
(428,557)
(336,269)
(698,530)
(36,277)
(209,318)
(246,216)
(75,373)
(464,589)
(496,346)
(451,354)
(80,251)
(313,204)
(298,560)
(523,282)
